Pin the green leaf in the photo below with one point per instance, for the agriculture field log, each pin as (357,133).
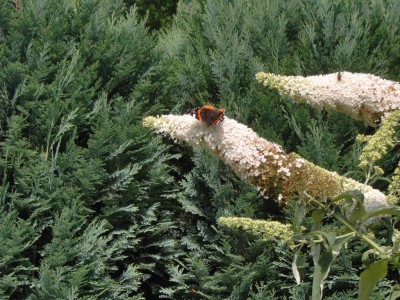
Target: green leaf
(320,273)
(329,237)
(325,262)
(370,277)
(395,294)
(299,214)
(396,243)
(357,213)
(339,242)
(352,194)
(366,257)
(295,269)
(318,215)
(382,210)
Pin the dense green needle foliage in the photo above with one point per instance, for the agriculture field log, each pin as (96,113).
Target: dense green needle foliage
(158,13)
(94,206)
(84,189)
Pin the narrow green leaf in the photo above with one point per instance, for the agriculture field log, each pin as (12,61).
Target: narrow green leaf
(395,294)
(370,277)
(339,242)
(318,215)
(366,260)
(325,262)
(352,194)
(299,214)
(357,213)
(396,243)
(330,237)
(320,273)
(382,210)
(295,270)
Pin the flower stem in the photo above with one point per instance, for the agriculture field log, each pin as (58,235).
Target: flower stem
(352,228)
(359,234)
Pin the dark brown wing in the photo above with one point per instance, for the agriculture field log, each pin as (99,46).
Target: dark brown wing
(211,116)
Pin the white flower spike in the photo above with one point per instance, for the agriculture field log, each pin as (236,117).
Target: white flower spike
(364,97)
(262,163)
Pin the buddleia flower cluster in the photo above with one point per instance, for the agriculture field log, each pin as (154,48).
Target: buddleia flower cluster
(377,145)
(263,164)
(364,97)
(266,229)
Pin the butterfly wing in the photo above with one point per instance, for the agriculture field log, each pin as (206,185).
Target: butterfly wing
(210,115)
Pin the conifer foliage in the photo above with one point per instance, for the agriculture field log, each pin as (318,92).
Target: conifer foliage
(83,192)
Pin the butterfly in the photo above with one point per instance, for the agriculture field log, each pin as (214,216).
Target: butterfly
(208,114)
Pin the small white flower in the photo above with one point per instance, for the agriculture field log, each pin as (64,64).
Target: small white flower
(299,162)
(284,170)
